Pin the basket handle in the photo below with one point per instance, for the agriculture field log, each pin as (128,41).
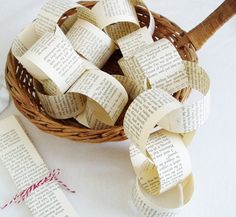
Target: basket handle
(202,32)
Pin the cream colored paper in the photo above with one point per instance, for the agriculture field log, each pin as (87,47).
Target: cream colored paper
(107,97)
(105,100)
(50,14)
(191,116)
(88,119)
(132,43)
(132,70)
(156,64)
(168,204)
(91,42)
(62,106)
(167,162)
(117,17)
(81,13)
(159,157)
(26,167)
(50,87)
(24,41)
(132,89)
(53,57)
(162,65)
(145,112)
(129,46)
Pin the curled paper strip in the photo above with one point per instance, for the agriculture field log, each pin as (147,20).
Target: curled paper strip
(167,162)
(66,62)
(50,57)
(53,11)
(119,18)
(106,98)
(156,106)
(91,42)
(110,12)
(168,204)
(152,64)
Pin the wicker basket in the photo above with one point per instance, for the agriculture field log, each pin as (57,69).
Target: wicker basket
(20,85)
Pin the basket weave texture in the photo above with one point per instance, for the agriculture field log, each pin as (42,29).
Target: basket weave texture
(21,87)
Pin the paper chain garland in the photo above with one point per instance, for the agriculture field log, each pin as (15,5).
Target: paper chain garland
(66,62)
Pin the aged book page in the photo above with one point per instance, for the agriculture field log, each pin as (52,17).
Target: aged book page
(129,46)
(26,168)
(117,17)
(168,204)
(107,97)
(132,43)
(132,89)
(167,162)
(162,65)
(50,14)
(91,42)
(95,97)
(60,106)
(145,112)
(159,157)
(24,41)
(83,13)
(53,57)
(192,115)
(132,70)
(152,64)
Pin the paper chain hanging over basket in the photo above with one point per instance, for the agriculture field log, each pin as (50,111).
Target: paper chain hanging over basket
(81,71)
(22,89)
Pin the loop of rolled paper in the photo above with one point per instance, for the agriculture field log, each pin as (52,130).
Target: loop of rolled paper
(88,118)
(156,106)
(168,204)
(134,42)
(50,14)
(116,23)
(50,57)
(145,112)
(49,87)
(118,18)
(132,89)
(60,106)
(190,116)
(91,42)
(166,164)
(152,64)
(106,98)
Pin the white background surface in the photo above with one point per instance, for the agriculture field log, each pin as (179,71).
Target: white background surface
(102,174)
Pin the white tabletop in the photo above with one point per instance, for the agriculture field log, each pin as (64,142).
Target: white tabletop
(102,174)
